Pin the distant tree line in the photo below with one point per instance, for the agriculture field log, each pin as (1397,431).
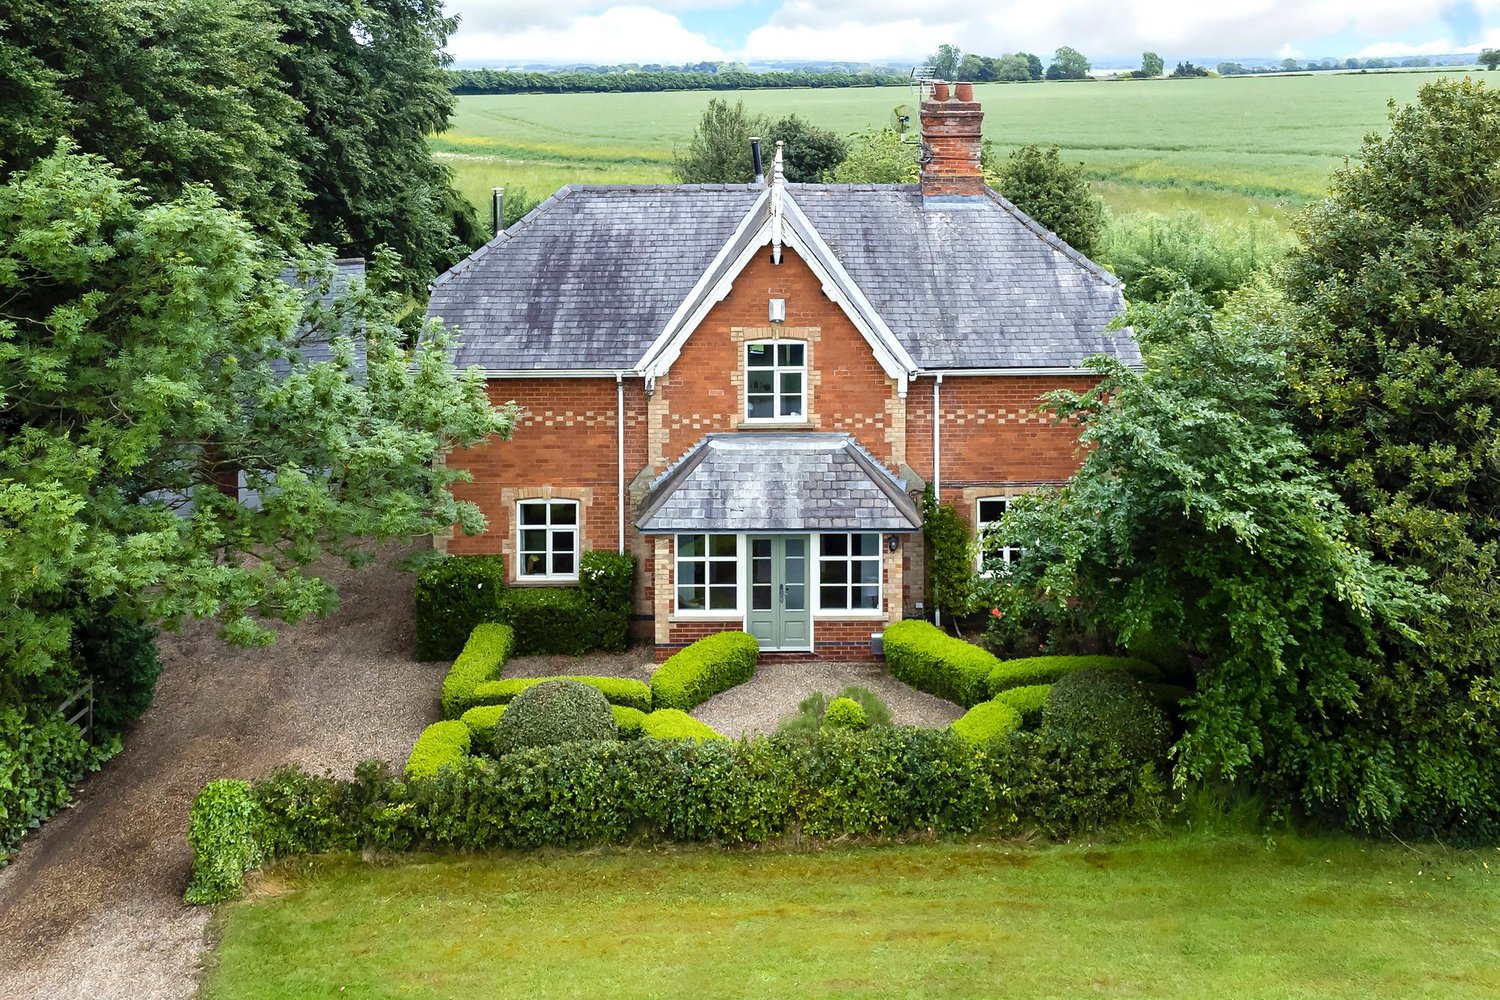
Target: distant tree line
(1314,65)
(950,62)
(591,81)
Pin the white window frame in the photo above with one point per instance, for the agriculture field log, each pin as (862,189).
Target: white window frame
(1007,553)
(550,529)
(708,560)
(777,370)
(851,561)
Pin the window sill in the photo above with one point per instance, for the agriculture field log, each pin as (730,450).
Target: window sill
(774,425)
(849,616)
(706,616)
(545,581)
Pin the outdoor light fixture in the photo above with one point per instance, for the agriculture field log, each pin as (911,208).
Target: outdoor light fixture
(892,543)
(778,310)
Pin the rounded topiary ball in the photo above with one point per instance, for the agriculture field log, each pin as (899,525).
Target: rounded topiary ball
(845,713)
(554,712)
(1107,706)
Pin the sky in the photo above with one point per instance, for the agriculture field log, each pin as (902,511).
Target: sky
(511,32)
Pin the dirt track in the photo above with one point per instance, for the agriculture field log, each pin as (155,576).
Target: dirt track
(92,907)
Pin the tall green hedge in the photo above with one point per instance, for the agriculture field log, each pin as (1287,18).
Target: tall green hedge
(713,664)
(1034,670)
(453,595)
(40,759)
(882,781)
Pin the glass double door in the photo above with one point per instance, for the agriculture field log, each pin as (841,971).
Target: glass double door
(780,615)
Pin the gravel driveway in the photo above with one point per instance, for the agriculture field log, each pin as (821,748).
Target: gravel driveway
(93,907)
(774,692)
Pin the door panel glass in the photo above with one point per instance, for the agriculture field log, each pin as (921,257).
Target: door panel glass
(796,597)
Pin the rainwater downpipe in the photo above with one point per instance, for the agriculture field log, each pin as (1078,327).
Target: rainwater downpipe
(937,459)
(620,457)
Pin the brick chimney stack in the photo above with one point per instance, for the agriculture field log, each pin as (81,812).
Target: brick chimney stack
(951,142)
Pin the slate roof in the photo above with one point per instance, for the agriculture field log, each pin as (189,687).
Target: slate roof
(773,482)
(591,277)
(316,345)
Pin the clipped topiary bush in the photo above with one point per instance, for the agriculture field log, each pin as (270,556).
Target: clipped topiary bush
(454,594)
(224,831)
(628,721)
(616,690)
(1028,700)
(924,656)
(442,744)
(482,721)
(1093,707)
(1031,670)
(846,713)
(675,724)
(606,582)
(482,659)
(713,664)
(555,712)
(987,722)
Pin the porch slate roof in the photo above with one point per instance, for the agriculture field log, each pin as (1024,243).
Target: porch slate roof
(765,481)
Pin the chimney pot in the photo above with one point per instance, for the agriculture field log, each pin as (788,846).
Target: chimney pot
(963,91)
(939,90)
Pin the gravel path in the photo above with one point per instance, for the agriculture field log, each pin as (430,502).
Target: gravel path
(774,692)
(636,664)
(93,907)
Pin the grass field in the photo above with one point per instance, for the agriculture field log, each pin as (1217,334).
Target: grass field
(1220,146)
(1226,917)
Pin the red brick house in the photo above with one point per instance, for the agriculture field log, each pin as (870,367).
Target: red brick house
(748,386)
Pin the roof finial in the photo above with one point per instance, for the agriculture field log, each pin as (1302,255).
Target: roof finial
(778,190)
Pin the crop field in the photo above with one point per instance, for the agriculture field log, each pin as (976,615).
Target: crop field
(1220,146)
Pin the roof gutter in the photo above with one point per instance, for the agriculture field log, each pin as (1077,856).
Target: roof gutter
(611,373)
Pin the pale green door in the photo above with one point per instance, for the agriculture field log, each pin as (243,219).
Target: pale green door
(779,616)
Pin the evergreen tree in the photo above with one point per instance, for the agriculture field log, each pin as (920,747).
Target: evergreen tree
(1053,193)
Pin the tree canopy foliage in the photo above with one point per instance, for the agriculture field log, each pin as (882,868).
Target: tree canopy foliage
(496,81)
(1156,255)
(878,156)
(1152,64)
(1068,64)
(150,351)
(1396,369)
(308,117)
(718,151)
(1054,193)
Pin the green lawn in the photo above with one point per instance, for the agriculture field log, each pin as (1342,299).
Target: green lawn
(1200,918)
(1217,145)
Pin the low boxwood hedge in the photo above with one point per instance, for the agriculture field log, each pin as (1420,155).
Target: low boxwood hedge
(889,781)
(442,744)
(713,664)
(616,690)
(846,713)
(987,722)
(482,721)
(1028,700)
(628,721)
(1109,706)
(1009,674)
(929,659)
(453,595)
(675,724)
(482,659)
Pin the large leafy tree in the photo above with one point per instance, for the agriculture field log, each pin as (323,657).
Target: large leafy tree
(175,93)
(1068,64)
(370,80)
(1397,373)
(719,150)
(1054,193)
(149,351)
(1198,514)
(878,156)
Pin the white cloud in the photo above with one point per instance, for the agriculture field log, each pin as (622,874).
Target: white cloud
(1440,46)
(618,34)
(495,17)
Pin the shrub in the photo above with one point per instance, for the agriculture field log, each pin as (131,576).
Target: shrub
(846,713)
(224,828)
(453,595)
(482,658)
(1170,695)
(482,721)
(1032,670)
(442,744)
(675,724)
(557,711)
(1092,707)
(39,762)
(628,721)
(987,722)
(924,656)
(551,620)
(1028,700)
(810,710)
(606,583)
(616,690)
(710,665)
(119,652)
(882,781)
